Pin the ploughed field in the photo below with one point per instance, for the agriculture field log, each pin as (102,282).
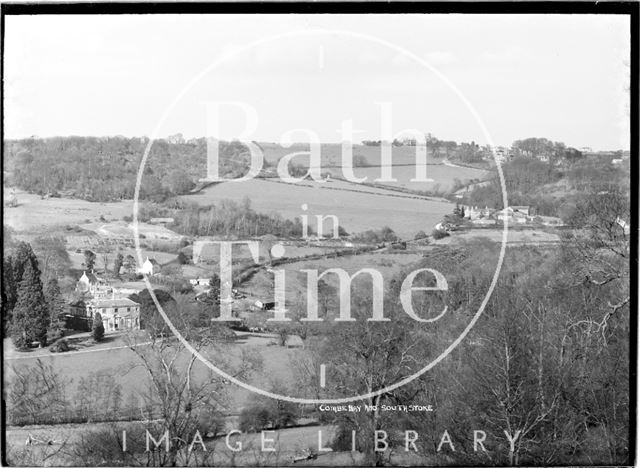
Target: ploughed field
(443,176)
(403,159)
(331,154)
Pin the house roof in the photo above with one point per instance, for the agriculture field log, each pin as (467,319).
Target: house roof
(514,209)
(122,302)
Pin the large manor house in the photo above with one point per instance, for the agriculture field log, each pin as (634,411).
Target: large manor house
(97,296)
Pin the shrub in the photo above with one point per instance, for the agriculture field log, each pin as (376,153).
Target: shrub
(254,419)
(183,259)
(60,346)
(360,161)
(385,234)
(210,423)
(263,413)
(439,234)
(420,235)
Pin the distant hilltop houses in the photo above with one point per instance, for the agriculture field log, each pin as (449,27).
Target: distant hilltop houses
(502,154)
(543,150)
(515,214)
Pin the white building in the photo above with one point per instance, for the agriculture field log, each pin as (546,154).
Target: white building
(117,314)
(200,281)
(149,268)
(512,214)
(473,213)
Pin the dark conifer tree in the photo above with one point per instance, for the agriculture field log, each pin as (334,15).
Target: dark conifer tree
(55,303)
(98,328)
(13,270)
(31,315)
(9,292)
(23,254)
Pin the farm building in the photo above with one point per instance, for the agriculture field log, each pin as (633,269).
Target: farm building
(264,305)
(525,210)
(513,214)
(473,212)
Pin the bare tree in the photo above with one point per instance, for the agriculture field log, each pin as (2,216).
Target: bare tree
(36,394)
(186,399)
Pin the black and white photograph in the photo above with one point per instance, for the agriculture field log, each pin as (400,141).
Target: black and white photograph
(321,234)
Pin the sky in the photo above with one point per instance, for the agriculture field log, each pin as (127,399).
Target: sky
(483,78)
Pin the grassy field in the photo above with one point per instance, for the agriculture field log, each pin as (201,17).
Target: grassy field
(358,207)
(114,356)
(337,184)
(261,285)
(33,212)
(515,236)
(356,212)
(211,252)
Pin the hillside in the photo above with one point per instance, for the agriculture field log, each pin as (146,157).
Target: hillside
(356,211)
(105,169)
